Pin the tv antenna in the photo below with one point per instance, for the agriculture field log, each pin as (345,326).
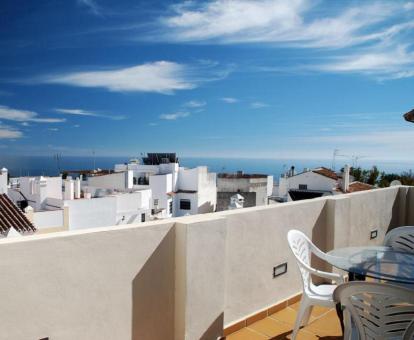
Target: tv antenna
(334,156)
(355,159)
(58,157)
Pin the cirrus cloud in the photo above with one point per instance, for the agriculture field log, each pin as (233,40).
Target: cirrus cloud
(17,115)
(161,77)
(174,116)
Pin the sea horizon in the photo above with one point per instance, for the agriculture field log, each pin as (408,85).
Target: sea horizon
(48,165)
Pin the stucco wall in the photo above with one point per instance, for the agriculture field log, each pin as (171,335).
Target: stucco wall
(180,279)
(110,284)
(256,242)
(48,219)
(91,213)
(117,181)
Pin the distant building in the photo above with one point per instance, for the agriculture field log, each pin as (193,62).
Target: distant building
(176,191)
(254,188)
(318,182)
(68,204)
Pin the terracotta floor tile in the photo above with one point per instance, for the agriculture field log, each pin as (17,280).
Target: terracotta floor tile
(246,334)
(304,335)
(327,325)
(272,328)
(317,311)
(287,315)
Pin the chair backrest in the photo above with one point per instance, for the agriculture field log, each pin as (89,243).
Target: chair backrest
(378,310)
(401,238)
(301,247)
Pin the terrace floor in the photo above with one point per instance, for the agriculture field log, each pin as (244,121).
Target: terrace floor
(323,324)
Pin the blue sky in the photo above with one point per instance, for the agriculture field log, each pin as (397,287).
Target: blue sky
(262,79)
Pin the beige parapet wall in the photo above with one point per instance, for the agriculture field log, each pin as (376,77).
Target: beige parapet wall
(179,279)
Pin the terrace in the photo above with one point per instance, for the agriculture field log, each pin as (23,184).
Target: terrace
(195,277)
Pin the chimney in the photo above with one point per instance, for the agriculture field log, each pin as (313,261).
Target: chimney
(77,188)
(345,179)
(69,190)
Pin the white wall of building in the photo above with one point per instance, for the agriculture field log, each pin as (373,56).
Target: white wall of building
(37,190)
(91,213)
(130,207)
(161,185)
(206,192)
(192,198)
(48,219)
(312,180)
(117,181)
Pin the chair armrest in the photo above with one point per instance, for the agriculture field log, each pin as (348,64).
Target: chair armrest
(338,278)
(330,276)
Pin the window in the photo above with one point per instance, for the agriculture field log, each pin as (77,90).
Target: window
(303,187)
(156,202)
(185,204)
(170,207)
(142,217)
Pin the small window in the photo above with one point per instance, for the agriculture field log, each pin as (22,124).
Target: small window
(170,207)
(303,187)
(185,204)
(142,217)
(156,202)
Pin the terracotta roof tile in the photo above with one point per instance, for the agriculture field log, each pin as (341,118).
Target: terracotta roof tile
(359,186)
(326,172)
(12,217)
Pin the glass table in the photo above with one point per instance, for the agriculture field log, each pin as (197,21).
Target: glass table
(381,263)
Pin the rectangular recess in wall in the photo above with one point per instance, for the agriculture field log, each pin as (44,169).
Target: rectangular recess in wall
(373,234)
(279,270)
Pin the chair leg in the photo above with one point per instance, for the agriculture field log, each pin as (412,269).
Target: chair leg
(307,315)
(302,317)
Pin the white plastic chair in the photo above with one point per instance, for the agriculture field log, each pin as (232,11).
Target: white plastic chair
(376,311)
(401,238)
(312,295)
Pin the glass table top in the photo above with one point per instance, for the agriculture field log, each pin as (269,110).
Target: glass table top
(382,263)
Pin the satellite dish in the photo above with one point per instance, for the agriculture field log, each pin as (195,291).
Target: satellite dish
(395,182)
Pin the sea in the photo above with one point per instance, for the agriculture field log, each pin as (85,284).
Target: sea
(50,166)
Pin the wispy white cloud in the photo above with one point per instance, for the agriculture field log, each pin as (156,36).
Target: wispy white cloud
(195,104)
(80,112)
(8,113)
(174,116)
(258,105)
(276,21)
(397,62)
(92,6)
(160,77)
(8,132)
(53,129)
(164,77)
(373,37)
(229,100)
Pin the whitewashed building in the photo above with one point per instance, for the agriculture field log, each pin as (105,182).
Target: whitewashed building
(312,183)
(176,191)
(68,204)
(255,189)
